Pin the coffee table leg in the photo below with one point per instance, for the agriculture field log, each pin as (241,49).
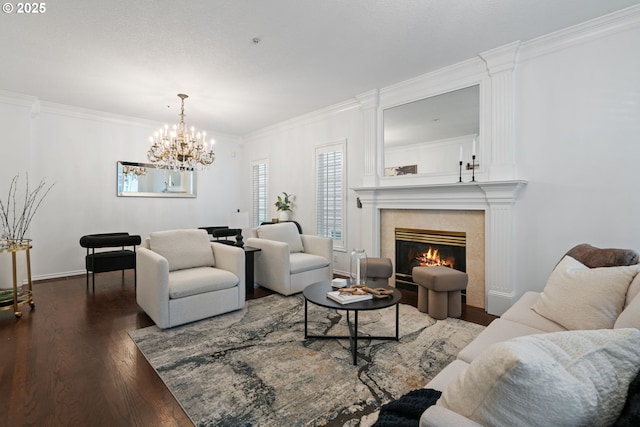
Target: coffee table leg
(397,322)
(305,319)
(355,340)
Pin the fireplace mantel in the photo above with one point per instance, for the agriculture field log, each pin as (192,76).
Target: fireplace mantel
(465,195)
(496,198)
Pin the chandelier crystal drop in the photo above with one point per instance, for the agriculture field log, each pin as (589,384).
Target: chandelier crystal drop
(180,148)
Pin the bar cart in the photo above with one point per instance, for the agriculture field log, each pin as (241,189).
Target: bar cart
(20,295)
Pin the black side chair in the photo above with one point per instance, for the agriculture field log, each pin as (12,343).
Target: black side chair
(219,232)
(121,259)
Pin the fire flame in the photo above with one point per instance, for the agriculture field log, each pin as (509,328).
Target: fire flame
(432,258)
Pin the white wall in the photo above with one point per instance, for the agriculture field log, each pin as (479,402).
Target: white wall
(78,150)
(290,148)
(578,144)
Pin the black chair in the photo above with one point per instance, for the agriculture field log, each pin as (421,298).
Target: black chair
(100,262)
(219,232)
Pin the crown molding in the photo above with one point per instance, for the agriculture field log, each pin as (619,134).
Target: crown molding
(305,119)
(603,26)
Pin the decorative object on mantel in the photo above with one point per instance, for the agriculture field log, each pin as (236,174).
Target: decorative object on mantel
(180,148)
(284,205)
(460,170)
(238,220)
(473,161)
(401,170)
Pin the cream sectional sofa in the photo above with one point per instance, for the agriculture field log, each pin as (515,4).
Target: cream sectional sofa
(523,338)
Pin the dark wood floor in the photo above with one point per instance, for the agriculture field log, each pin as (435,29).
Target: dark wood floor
(70,361)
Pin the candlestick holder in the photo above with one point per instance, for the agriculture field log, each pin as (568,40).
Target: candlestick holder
(460,173)
(473,168)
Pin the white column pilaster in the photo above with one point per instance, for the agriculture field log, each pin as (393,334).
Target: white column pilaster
(501,63)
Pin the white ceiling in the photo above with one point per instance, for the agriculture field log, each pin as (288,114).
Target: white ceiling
(132,57)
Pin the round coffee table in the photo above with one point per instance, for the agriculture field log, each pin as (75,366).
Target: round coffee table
(317,294)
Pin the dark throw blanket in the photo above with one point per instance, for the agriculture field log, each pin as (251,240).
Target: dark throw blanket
(406,411)
(630,416)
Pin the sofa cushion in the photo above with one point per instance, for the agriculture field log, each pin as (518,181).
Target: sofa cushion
(497,331)
(199,280)
(630,316)
(300,261)
(579,297)
(559,378)
(521,312)
(183,248)
(286,232)
(448,374)
(633,291)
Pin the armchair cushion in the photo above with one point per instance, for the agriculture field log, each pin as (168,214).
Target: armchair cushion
(194,281)
(285,232)
(183,248)
(301,261)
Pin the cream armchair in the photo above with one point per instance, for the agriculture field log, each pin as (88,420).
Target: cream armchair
(182,277)
(289,261)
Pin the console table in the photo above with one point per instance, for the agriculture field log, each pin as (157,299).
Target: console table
(26,297)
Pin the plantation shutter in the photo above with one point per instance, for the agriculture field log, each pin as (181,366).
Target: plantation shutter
(329,192)
(259,192)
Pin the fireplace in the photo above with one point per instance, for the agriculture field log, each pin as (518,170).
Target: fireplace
(416,247)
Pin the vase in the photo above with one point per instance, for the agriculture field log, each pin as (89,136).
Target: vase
(285,216)
(358,267)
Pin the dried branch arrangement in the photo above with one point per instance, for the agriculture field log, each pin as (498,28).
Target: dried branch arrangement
(16,218)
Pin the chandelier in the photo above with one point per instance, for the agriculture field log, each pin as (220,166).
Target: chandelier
(180,148)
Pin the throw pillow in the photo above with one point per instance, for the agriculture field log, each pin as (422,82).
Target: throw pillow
(183,248)
(285,232)
(594,257)
(579,297)
(556,379)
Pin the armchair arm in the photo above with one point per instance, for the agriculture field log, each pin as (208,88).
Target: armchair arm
(272,266)
(231,258)
(439,416)
(152,293)
(317,245)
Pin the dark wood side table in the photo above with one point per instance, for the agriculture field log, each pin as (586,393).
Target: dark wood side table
(317,294)
(249,253)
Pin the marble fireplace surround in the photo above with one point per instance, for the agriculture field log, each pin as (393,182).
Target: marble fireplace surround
(495,199)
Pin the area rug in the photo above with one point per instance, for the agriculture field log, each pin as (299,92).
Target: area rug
(253,367)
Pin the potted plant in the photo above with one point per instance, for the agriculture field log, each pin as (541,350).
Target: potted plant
(284,205)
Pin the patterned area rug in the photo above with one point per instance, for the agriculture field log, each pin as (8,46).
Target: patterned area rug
(253,367)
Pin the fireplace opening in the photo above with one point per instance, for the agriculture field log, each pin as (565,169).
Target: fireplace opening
(416,247)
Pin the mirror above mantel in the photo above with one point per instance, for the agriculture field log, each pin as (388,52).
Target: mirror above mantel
(148,180)
(430,136)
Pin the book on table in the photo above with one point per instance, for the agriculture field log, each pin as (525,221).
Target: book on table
(347,298)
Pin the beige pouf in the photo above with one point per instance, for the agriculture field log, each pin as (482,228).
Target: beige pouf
(439,290)
(378,271)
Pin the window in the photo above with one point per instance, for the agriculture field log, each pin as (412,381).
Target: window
(330,192)
(260,174)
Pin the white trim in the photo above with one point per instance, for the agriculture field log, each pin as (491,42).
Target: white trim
(303,120)
(603,26)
